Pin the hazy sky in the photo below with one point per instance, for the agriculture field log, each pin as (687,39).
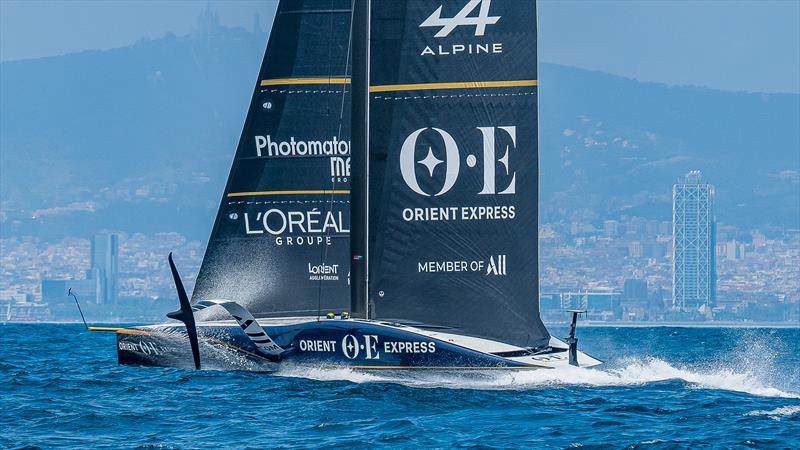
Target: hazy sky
(751,45)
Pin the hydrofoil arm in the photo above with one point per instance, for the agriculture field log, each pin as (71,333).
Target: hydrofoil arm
(249,324)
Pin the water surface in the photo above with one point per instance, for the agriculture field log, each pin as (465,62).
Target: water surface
(659,388)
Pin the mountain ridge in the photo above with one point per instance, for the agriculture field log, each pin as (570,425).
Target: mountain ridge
(124,138)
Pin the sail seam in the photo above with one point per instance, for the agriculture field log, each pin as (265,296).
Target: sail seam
(300,91)
(283,202)
(453,85)
(426,97)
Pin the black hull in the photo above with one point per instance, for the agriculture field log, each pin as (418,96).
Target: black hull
(358,344)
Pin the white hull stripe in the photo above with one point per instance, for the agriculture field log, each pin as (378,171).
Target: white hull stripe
(247,322)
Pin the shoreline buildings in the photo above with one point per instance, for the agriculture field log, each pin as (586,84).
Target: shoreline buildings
(101,284)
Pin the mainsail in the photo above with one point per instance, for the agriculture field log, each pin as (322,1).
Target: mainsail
(280,243)
(451,237)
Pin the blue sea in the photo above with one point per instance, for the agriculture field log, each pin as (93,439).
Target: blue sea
(659,388)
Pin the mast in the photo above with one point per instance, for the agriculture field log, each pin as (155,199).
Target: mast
(359,196)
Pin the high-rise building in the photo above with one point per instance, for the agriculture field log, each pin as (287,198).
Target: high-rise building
(694,277)
(105,265)
(733,250)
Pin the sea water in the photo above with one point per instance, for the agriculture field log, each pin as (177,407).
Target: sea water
(658,388)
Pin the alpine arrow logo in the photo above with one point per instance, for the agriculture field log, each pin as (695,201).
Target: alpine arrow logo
(462,18)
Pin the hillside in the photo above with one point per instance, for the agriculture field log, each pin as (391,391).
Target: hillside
(140,138)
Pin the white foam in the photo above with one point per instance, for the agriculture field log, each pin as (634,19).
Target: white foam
(634,372)
(777,413)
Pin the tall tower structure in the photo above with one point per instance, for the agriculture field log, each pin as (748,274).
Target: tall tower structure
(105,265)
(694,276)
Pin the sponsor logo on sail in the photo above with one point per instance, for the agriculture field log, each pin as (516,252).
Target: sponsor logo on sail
(310,227)
(266,146)
(452,161)
(323,272)
(340,169)
(495,265)
(462,18)
(466,17)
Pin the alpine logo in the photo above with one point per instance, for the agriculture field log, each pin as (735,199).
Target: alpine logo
(462,18)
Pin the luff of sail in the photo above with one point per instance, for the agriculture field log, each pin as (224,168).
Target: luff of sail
(280,241)
(453,167)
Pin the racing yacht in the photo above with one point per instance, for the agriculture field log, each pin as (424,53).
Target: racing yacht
(381,209)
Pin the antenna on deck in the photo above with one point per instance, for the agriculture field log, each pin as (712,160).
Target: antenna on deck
(571,340)
(72,294)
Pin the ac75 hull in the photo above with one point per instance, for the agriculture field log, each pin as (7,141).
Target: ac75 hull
(360,344)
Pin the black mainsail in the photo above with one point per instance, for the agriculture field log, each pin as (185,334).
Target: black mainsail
(452,128)
(280,241)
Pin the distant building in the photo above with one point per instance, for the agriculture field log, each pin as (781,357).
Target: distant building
(105,266)
(733,250)
(759,240)
(634,292)
(693,255)
(635,249)
(611,228)
(664,228)
(550,302)
(208,21)
(601,304)
(11,311)
(56,292)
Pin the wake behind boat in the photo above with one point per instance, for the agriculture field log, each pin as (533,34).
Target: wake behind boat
(381,210)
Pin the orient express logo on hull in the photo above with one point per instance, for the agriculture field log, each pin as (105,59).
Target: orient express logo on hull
(369,347)
(465,17)
(145,348)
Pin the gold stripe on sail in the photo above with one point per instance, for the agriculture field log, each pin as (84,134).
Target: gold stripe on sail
(301,192)
(300,81)
(454,85)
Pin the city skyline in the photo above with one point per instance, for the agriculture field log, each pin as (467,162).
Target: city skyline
(580,268)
